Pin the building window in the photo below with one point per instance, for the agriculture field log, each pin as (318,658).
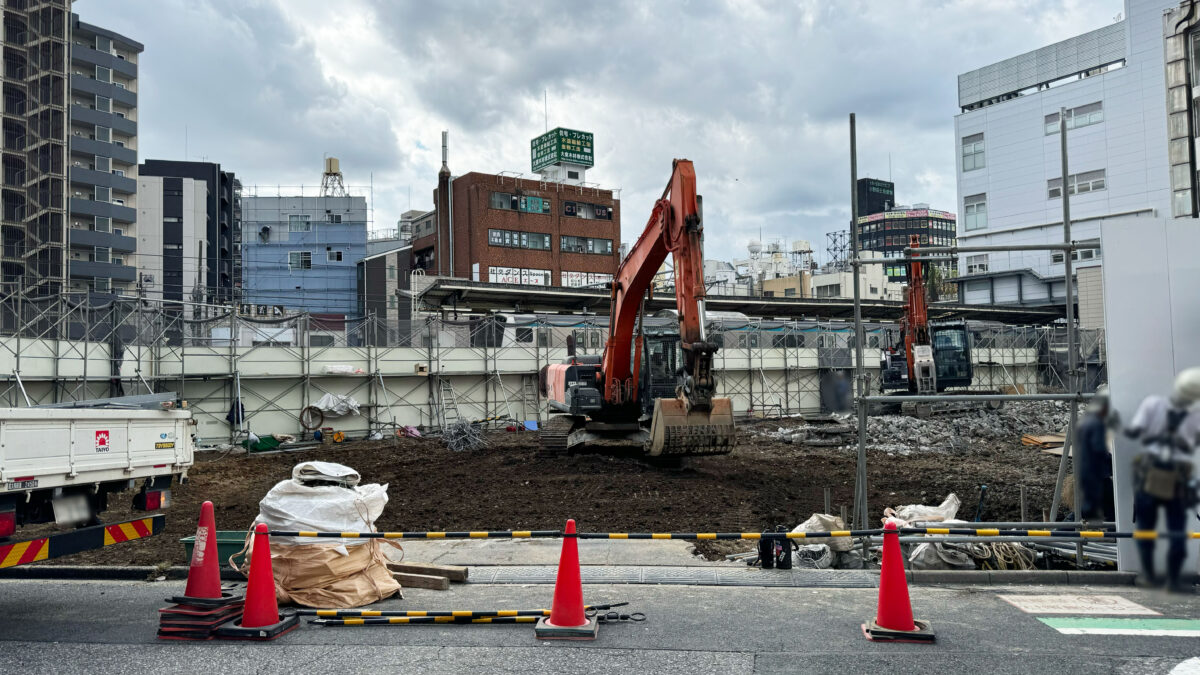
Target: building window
(503,200)
(118,172)
(102,285)
(119,202)
(299,223)
(103,44)
(102,224)
(569,244)
(299,260)
(1081,116)
(103,164)
(588,211)
(1089,181)
(101,194)
(103,74)
(103,134)
(572,175)
(972,152)
(975,212)
(516,239)
(791,292)
(392,301)
(103,104)
(977,264)
(102,254)
(391,271)
(333,217)
(1077,255)
(829,291)
(332,255)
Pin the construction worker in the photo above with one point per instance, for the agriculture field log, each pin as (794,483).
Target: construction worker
(1169,430)
(1094,463)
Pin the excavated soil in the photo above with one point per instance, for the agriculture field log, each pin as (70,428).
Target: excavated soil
(765,482)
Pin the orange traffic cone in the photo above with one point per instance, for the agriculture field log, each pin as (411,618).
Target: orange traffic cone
(893,618)
(567,620)
(204,573)
(260,618)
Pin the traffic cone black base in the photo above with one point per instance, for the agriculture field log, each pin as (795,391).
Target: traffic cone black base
(233,630)
(191,610)
(227,598)
(544,630)
(923,634)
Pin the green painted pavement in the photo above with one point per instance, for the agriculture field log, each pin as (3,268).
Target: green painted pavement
(1092,625)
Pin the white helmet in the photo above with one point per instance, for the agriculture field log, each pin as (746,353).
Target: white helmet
(1187,385)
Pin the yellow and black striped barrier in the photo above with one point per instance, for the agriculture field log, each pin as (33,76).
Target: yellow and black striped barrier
(558,534)
(453,614)
(392,620)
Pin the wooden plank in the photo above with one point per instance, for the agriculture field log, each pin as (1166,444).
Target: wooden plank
(451,572)
(422,581)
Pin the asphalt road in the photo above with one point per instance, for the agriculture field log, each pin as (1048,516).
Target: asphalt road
(98,627)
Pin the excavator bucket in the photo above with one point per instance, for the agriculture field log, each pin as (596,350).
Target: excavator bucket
(676,431)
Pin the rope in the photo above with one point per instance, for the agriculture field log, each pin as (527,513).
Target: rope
(1002,555)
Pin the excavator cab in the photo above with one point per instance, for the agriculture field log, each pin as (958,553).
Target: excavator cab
(951,355)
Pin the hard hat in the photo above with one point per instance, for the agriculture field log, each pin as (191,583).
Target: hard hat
(1100,401)
(1187,385)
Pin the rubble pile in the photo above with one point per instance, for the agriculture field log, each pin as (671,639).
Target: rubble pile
(904,435)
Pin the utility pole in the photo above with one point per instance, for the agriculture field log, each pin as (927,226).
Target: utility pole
(860,495)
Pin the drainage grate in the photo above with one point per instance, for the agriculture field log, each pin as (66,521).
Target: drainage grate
(690,576)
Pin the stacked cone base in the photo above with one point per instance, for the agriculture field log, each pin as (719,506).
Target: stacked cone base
(875,633)
(233,630)
(189,622)
(544,630)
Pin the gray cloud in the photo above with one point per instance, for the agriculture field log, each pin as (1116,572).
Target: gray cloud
(756,93)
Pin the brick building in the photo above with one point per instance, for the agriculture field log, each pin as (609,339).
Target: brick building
(520,231)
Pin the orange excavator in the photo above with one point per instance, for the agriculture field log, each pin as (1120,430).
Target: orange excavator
(931,357)
(653,390)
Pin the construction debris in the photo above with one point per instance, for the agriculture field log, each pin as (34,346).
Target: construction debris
(463,436)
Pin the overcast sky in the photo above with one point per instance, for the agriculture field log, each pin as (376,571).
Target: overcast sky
(755,93)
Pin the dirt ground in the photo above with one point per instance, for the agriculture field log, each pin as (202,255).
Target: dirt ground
(507,486)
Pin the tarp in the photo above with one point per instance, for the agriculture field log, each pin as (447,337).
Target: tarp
(336,405)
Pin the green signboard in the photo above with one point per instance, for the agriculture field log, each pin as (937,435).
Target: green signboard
(561,146)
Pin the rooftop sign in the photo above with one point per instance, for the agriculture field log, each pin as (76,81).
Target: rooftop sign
(918,213)
(561,146)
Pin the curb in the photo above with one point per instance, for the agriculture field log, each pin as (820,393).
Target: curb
(104,572)
(1016,577)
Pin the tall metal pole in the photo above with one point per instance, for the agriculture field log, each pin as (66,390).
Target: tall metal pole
(860,487)
(1072,356)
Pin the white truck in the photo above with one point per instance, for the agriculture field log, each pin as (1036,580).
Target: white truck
(61,464)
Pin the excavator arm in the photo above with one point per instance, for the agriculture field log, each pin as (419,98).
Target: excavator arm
(694,422)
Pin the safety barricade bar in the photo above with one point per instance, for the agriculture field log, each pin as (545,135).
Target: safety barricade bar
(383,621)
(416,613)
(557,534)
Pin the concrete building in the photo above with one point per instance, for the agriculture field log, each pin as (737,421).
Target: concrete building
(889,231)
(519,231)
(874,196)
(300,253)
(171,242)
(380,241)
(1111,83)
(222,225)
(834,282)
(34,150)
(103,161)
(795,286)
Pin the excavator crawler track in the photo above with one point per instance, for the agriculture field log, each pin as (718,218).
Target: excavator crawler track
(554,435)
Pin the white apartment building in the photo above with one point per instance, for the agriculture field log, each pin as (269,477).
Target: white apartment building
(1111,83)
(171,237)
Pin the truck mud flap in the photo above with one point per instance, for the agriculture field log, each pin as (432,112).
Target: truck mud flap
(76,541)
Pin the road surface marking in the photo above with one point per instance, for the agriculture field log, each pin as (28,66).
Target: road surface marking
(1076,604)
(1071,625)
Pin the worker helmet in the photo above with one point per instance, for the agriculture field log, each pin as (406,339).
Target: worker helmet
(1187,386)
(1100,401)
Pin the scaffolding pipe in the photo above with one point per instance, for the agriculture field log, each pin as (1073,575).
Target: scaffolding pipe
(960,398)
(982,248)
(1071,524)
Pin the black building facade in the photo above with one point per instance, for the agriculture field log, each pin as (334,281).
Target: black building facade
(875,196)
(222,221)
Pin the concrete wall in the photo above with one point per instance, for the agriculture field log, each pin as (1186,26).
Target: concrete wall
(1091,297)
(1152,322)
